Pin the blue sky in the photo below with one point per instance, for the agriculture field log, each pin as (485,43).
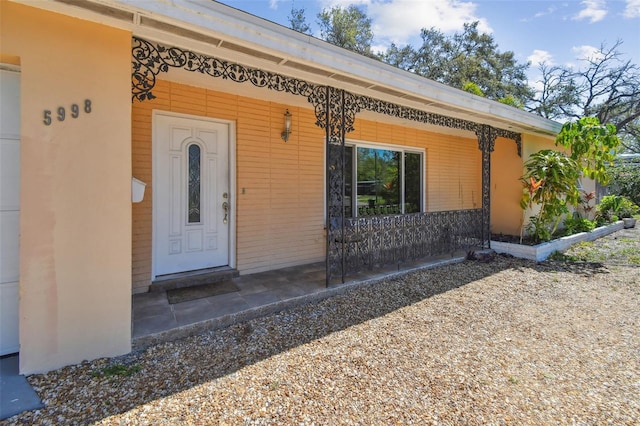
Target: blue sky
(556,32)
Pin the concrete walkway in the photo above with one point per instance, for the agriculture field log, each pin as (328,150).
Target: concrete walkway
(16,394)
(155,320)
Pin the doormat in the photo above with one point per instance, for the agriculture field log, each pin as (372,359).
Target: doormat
(185,294)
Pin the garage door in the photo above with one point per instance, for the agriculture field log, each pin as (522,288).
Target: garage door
(9,208)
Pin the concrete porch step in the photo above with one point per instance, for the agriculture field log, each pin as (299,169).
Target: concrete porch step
(193,278)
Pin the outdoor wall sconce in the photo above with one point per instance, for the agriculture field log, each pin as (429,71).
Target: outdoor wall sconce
(287,126)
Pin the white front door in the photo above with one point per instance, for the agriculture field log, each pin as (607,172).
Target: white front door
(191,197)
(9,209)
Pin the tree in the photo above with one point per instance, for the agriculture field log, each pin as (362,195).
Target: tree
(512,101)
(298,21)
(349,28)
(606,87)
(465,57)
(473,88)
(593,146)
(558,92)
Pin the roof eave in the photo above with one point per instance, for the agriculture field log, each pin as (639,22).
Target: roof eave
(218,22)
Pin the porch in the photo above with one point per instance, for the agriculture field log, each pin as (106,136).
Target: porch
(155,320)
(438,166)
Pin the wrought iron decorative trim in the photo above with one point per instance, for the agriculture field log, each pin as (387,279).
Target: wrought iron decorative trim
(369,242)
(150,59)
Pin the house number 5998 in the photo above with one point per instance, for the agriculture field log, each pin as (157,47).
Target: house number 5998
(61,113)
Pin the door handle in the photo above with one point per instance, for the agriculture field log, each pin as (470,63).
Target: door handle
(225,208)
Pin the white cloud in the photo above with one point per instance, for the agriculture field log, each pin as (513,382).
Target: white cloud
(551,10)
(536,83)
(399,21)
(586,52)
(632,10)
(540,57)
(594,11)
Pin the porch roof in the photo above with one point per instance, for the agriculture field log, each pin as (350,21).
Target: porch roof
(221,31)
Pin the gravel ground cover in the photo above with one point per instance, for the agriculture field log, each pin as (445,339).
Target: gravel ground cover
(506,341)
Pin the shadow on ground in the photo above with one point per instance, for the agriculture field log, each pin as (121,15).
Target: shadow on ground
(85,393)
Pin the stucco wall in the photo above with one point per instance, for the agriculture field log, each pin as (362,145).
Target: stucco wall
(534,143)
(75,222)
(280,186)
(506,188)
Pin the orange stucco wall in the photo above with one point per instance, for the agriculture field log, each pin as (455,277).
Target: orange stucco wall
(534,143)
(506,188)
(280,186)
(75,221)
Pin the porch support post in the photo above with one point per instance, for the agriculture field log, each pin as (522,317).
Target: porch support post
(486,142)
(335,138)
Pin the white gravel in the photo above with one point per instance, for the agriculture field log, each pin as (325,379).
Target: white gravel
(503,342)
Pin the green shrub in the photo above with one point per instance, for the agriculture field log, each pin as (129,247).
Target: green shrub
(625,179)
(616,205)
(538,230)
(574,225)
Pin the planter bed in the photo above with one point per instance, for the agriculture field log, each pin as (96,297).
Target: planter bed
(542,251)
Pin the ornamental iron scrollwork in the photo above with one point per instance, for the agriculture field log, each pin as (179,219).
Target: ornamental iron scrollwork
(336,129)
(151,59)
(376,241)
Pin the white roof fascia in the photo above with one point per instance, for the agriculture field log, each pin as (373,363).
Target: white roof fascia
(228,24)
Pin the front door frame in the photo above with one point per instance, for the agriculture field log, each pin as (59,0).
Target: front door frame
(232,181)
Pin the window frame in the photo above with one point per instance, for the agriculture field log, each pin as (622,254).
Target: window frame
(402,149)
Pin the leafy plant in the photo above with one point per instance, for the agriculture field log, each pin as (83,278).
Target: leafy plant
(574,225)
(473,88)
(551,181)
(584,204)
(551,177)
(538,229)
(618,206)
(625,179)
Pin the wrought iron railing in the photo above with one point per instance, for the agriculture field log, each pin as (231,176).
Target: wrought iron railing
(374,241)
